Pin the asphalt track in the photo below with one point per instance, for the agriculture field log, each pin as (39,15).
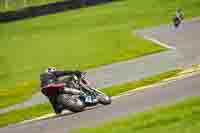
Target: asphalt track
(136,102)
(186,41)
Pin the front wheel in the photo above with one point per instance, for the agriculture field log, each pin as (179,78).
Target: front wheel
(105,100)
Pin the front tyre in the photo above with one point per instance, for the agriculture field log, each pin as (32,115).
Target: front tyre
(105,100)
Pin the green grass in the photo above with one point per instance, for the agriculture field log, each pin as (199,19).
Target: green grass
(39,110)
(82,39)
(183,117)
(115,90)
(21,93)
(24,114)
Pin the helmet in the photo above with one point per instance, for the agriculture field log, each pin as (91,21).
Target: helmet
(51,69)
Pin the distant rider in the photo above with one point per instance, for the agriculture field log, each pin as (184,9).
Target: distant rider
(180,14)
(50,79)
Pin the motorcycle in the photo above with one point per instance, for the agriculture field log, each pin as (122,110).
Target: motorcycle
(177,21)
(90,96)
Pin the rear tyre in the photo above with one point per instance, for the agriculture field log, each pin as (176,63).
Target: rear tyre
(71,103)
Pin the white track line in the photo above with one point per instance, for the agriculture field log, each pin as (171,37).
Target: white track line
(160,43)
(51,115)
(39,118)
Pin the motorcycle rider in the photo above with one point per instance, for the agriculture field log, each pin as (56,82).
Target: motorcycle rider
(180,14)
(50,80)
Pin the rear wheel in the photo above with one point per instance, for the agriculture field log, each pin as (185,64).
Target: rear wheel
(71,103)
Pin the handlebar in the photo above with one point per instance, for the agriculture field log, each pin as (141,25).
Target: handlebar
(79,77)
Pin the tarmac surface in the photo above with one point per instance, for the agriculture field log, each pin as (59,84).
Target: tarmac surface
(137,101)
(185,39)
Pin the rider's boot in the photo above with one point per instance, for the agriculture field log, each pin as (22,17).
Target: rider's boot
(58,109)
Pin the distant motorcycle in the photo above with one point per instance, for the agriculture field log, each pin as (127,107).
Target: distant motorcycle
(177,20)
(90,96)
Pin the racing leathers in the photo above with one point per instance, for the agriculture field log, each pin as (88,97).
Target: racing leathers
(50,83)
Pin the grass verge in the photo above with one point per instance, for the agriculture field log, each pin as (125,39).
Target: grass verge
(42,109)
(20,93)
(183,117)
(24,114)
